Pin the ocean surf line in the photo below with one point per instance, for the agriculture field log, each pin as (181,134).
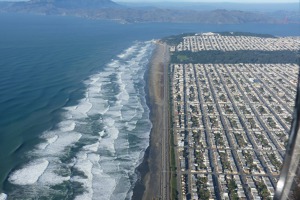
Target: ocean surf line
(94,150)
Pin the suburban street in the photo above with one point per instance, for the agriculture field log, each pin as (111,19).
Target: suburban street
(230,121)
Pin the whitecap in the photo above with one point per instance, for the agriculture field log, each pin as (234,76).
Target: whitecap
(123,95)
(105,110)
(66,126)
(30,173)
(51,177)
(128,52)
(100,106)
(105,159)
(94,80)
(112,134)
(94,90)
(109,122)
(82,109)
(49,140)
(131,125)
(3,196)
(69,108)
(63,141)
(103,184)
(128,114)
(113,64)
(92,147)
(52,139)
(85,163)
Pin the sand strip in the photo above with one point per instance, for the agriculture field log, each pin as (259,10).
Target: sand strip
(150,170)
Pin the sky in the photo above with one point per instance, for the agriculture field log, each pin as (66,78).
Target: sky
(210,1)
(206,1)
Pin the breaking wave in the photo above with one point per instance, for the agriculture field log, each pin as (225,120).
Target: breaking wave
(94,151)
(3,196)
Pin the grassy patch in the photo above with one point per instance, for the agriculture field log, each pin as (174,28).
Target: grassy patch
(182,58)
(235,57)
(173,175)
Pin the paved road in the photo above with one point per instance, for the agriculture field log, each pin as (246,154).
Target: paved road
(265,128)
(221,173)
(226,128)
(262,161)
(165,180)
(207,133)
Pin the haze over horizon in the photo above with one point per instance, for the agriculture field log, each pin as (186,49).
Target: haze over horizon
(201,1)
(216,1)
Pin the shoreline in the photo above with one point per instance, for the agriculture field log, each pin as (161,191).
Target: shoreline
(149,184)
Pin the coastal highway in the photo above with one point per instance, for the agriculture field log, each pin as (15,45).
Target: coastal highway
(165,181)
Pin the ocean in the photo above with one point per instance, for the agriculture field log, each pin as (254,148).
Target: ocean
(74,119)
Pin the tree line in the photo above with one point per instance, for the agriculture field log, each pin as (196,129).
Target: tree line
(236,57)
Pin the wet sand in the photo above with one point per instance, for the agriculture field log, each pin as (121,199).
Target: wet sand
(149,187)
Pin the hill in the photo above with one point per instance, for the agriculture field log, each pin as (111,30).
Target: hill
(107,9)
(79,4)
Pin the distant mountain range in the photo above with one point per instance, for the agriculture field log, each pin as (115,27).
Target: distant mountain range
(77,4)
(107,9)
(208,6)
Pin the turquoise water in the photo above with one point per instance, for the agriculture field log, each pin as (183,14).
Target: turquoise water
(74,122)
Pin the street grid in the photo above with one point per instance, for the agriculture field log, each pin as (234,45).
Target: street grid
(231,124)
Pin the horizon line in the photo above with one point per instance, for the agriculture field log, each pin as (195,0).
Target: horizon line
(217,2)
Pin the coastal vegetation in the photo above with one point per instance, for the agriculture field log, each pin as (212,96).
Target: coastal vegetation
(232,188)
(246,34)
(176,39)
(263,190)
(235,57)
(203,192)
(173,174)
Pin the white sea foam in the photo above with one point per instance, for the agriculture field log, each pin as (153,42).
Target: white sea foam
(129,113)
(70,109)
(112,134)
(131,125)
(101,143)
(94,80)
(103,184)
(52,139)
(64,140)
(123,95)
(3,196)
(128,52)
(100,106)
(82,109)
(42,170)
(29,174)
(85,165)
(49,140)
(95,90)
(51,177)
(112,65)
(102,133)
(86,160)
(66,126)
(92,147)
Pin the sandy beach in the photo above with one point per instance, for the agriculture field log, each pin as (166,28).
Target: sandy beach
(150,185)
